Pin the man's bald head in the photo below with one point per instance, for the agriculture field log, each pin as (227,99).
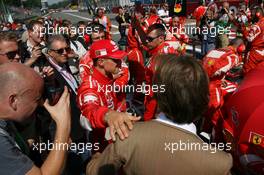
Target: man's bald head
(21,87)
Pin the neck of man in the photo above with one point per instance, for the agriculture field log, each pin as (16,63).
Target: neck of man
(3,113)
(55,61)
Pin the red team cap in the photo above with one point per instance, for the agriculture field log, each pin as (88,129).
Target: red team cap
(106,49)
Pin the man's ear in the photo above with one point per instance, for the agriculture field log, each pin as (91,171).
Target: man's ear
(13,101)
(30,33)
(50,53)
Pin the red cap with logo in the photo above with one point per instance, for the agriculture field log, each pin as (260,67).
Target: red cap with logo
(106,49)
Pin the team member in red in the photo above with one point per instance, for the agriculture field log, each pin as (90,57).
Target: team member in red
(218,63)
(153,18)
(86,62)
(135,48)
(96,94)
(121,79)
(255,36)
(243,126)
(156,43)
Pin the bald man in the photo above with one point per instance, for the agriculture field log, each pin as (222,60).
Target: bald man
(17,103)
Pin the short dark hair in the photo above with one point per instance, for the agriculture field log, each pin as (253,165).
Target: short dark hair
(259,10)
(160,29)
(96,27)
(53,38)
(236,42)
(32,23)
(66,23)
(81,23)
(8,36)
(186,86)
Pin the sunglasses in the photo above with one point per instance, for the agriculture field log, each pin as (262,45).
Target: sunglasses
(11,55)
(61,51)
(150,39)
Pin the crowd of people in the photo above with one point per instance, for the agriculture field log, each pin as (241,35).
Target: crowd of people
(73,101)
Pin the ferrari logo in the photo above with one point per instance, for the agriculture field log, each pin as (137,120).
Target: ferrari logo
(210,62)
(256,139)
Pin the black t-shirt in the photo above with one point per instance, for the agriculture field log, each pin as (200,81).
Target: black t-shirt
(12,160)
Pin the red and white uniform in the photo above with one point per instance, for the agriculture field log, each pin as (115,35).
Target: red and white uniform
(95,97)
(243,125)
(218,63)
(135,56)
(255,35)
(150,102)
(152,19)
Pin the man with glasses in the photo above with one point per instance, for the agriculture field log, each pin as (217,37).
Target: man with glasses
(156,44)
(8,48)
(58,51)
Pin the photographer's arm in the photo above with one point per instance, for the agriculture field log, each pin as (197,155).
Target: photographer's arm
(36,53)
(60,113)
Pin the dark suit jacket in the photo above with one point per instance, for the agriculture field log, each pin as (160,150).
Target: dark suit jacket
(77,132)
(120,20)
(148,151)
(25,54)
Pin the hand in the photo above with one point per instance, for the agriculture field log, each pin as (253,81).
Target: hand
(120,122)
(47,71)
(61,112)
(36,52)
(119,74)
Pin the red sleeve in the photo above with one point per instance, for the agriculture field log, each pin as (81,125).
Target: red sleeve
(251,33)
(84,66)
(89,101)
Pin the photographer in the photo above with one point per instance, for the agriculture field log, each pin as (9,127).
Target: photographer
(31,50)
(25,98)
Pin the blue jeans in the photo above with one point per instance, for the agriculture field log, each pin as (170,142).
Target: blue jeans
(207,46)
